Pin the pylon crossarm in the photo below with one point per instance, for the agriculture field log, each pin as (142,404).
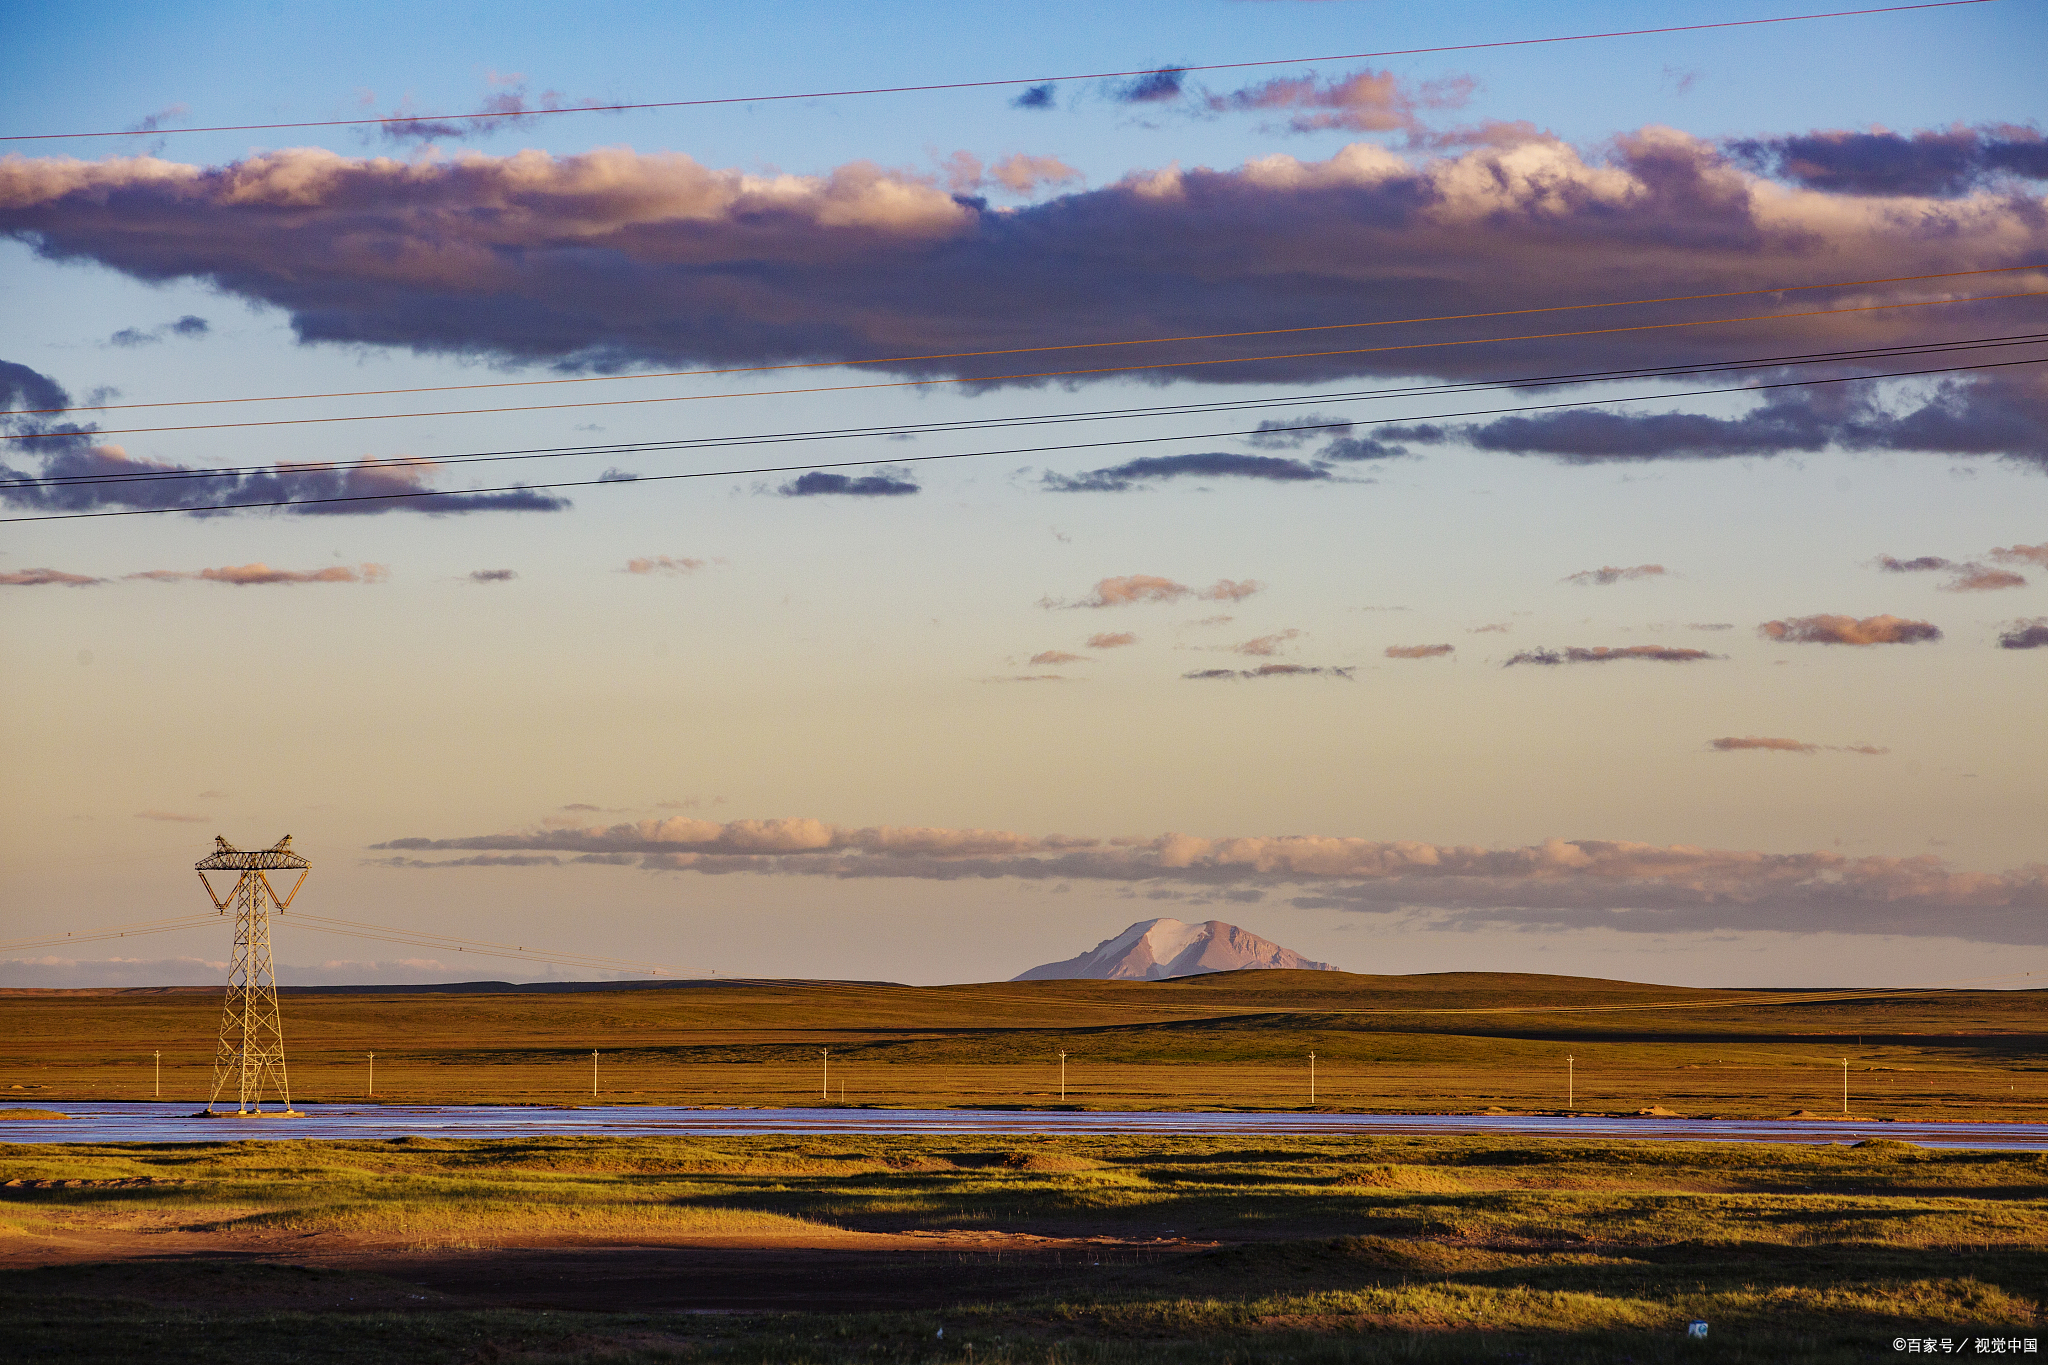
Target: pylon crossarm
(282,904)
(218,903)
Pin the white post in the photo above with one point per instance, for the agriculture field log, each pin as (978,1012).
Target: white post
(825,1083)
(1571,1083)
(371,1093)
(159,1074)
(1063,1078)
(1845,1085)
(1311,1078)
(593,1073)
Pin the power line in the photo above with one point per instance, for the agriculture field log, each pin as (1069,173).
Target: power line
(1092,371)
(963,455)
(979,424)
(1031,350)
(486,114)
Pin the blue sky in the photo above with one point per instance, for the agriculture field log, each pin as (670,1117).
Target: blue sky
(858,662)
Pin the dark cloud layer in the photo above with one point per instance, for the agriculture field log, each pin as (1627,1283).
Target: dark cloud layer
(1946,163)
(74,471)
(1602,654)
(2025,635)
(614,258)
(190,325)
(1210,464)
(819,483)
(1267,671)
(1556,884)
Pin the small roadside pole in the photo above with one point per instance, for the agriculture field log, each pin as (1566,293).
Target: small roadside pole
(1311,1078)
(1571,1083)
(159,1074)
(593,1074)
(1845,1085)
(1063,1078)
(372,1090)
(825,1081)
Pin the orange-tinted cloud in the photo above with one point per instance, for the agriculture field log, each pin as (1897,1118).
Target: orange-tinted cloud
(1112,639)
(1266,646)
(1848,630)
(1267,671)
(1142,587)
(664,564)
(1418,651)
(252,575)
(1022,174)
(1978,578)
(1058,656)
(2023,554)
(43,578)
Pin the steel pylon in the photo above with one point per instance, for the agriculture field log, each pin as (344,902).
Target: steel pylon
(250,1054)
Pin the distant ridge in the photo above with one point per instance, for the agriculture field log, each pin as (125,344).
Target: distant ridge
(1155,949)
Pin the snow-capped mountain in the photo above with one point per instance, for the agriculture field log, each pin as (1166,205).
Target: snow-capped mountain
(1154,949)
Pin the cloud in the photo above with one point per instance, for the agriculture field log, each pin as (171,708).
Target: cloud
(1923,564)
(2025,635)
(172,816)
(1058,656)
(508,101)
(1710,625)
(1601,654)
(1028,677)
(818,483)
(492,575)
(614,257)
(43,578)
(664,564)
(1418,651)
(190,325)
(2023,554)
(1109,639)
(1266,645)
(1847,630)
(1154,87)
(1734,744)
(1940,164)
(1286,433)
(1978,578)
(1214,464)
(1364,102)
(1494,628)
(1135,588)
(1034,97)
(1610,574)
(1268,671)
(79,473)
(257,575)
(1023,174)
(1558,883)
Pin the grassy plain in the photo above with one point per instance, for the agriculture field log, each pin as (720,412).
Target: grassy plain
(1180,1251)
(1445,1042)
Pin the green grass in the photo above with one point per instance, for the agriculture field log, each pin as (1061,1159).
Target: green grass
(1303,1249)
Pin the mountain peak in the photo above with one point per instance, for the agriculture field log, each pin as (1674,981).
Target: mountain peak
(1155,949)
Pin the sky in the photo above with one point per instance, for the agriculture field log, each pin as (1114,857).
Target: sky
(1576,507)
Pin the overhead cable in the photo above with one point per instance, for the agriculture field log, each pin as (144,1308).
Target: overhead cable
(482,115)
(637,480)
(174,473)
(1037,375)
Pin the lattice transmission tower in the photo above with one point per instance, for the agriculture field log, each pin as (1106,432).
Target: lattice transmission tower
(250,1054)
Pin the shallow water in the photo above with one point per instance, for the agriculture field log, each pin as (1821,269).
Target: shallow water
(176,1123)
